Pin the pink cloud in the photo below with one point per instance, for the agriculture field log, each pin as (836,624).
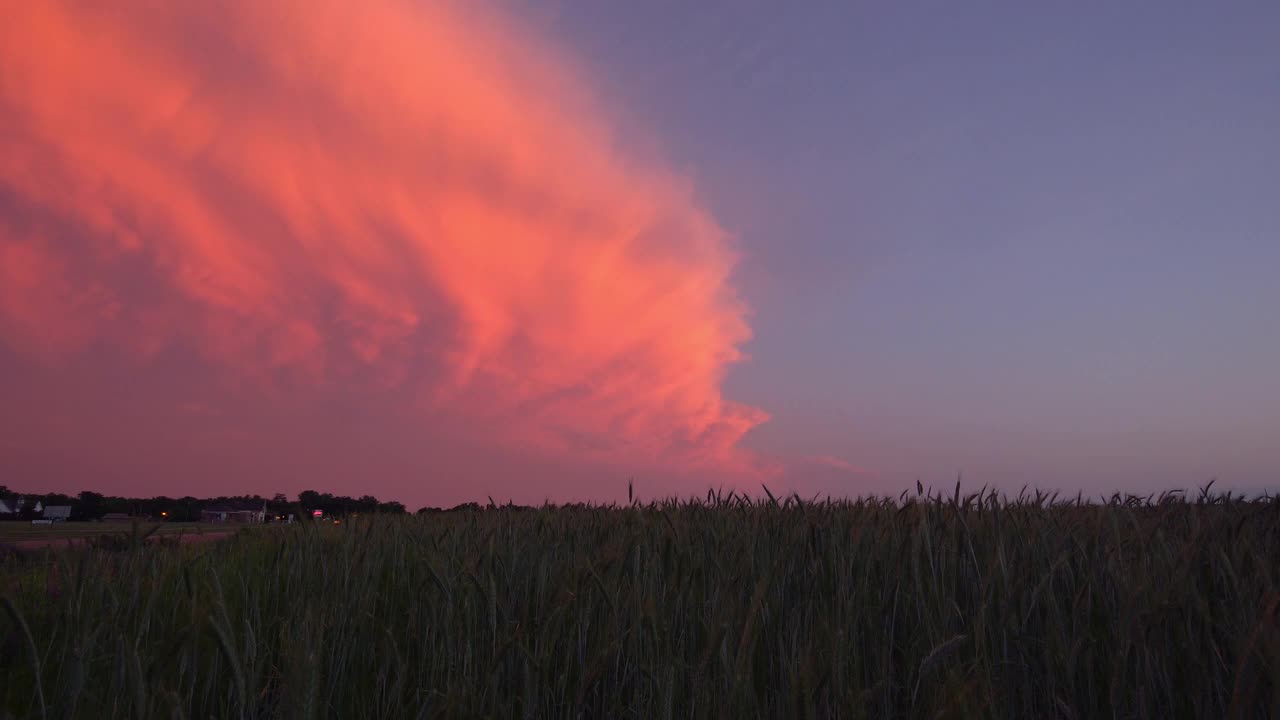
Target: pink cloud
(414,198)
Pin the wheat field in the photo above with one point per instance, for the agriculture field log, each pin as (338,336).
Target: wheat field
(922,607)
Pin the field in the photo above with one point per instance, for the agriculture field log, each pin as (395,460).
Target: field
(956,607)
(23,531)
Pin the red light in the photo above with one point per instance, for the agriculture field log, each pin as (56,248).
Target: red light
(317,513)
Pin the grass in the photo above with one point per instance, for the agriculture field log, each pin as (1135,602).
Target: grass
(19,531)
(963,607)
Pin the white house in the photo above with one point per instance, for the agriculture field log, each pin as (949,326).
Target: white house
(235,512)
(16,505)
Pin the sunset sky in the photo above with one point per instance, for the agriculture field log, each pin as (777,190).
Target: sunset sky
(439,251)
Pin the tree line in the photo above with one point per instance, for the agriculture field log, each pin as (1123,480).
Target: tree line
(89,505)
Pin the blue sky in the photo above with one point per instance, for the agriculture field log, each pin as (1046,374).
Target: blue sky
(1030,244)
(436,253)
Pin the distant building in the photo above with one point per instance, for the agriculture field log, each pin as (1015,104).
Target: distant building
(238,512)
(14,506)
(57,513)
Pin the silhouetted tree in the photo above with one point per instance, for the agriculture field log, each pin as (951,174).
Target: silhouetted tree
(88,506)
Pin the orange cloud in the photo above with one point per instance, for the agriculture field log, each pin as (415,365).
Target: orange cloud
(414,194)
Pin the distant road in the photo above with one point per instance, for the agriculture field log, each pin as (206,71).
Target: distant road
(25,536)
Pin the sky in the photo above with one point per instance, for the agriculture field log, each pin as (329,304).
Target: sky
(440,252)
